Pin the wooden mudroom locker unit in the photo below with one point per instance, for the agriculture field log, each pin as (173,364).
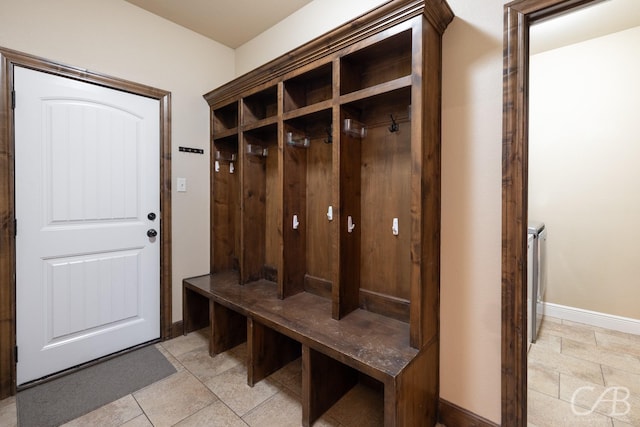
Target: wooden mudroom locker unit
(325,213)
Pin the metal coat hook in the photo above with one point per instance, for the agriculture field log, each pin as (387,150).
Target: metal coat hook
(394,227)
(329,138)
(395,127)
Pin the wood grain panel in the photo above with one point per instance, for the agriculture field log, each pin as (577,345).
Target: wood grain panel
(385,168)
(225,215)
(273,206)
(453,415)
(425,186)
(260,105)
(384,61)
(309,88)
(228,328)
(253,219)
(318,286)
(224,119)
(195,310)
(295,240)
(177,329)
(261,205)
(324,382)
(7,233)
(518,16)
(379,352)
(166,260)
(396,308)
(319,198)
(346,295)
(417,389)
(267,351)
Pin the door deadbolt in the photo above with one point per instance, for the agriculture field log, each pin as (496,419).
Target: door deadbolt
(151,216)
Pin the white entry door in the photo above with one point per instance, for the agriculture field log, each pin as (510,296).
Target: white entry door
(87,185)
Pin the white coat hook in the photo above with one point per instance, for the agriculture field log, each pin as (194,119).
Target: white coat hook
(296,223)
(394,227)
(330,213)
(350,224)
(217,166)
(231,168)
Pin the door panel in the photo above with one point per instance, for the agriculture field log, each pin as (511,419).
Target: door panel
(87,175)
(91,292)
(92,165)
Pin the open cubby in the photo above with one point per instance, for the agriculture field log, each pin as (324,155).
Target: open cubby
(225,119)
(309,88)
(379,201)
(347,125)
(261,200)
(260,105)
(378,63)
(308,194)
(225,215)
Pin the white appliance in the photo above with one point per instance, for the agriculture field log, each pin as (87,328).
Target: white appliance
(537,269)
(529,287)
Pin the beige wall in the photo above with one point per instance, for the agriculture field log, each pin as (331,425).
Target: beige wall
(313,20)
(121,40)
(470,355)
(471,186)
(584,178)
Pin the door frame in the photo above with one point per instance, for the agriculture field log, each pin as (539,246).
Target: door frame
(8,60)
(519,15)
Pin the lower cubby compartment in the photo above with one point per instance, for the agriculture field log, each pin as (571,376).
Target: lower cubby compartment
(335,354)
(199,310)
(267,351)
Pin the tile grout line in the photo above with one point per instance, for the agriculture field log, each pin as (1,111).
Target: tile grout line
(141,410)
(178,361)
(198,379)
(601,364)
(257,406)
(211,391)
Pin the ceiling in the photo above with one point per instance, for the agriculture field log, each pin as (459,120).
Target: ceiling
(230,22)
(597,20)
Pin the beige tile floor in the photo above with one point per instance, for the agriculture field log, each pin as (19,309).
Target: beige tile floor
(582,375)
(208,391)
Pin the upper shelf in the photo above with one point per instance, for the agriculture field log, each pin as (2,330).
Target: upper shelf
(260,106)
(381,89)
(310,88)
(385,61)
(225,120)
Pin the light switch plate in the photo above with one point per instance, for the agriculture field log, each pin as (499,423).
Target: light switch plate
(182,184)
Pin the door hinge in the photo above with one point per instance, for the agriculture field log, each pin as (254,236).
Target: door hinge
(16,354)
(13,99)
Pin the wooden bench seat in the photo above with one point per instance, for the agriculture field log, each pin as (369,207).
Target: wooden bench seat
(333,351)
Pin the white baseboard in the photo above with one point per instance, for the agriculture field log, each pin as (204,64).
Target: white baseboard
(593,318)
